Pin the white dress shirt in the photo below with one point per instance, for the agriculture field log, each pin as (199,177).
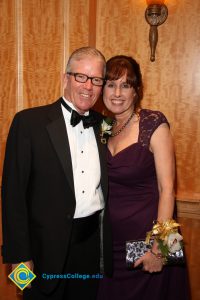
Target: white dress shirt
(85,165)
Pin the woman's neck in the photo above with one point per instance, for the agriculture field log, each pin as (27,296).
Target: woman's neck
(122,118)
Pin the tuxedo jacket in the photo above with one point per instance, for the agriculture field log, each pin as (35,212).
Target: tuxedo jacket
(38,198)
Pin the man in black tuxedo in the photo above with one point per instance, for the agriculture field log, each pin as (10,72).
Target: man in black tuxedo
(54,186)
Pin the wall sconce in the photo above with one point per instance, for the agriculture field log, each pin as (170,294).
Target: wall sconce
(155,14)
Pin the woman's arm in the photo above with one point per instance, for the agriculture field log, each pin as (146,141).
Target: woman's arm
(161,145)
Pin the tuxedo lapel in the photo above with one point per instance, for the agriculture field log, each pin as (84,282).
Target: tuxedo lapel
(58,135)
(102,157)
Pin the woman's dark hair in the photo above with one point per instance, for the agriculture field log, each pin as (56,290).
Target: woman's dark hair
(120,65)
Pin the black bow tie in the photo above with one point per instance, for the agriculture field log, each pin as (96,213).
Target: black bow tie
(76,117)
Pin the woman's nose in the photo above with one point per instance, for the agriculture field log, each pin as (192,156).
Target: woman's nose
(117,91)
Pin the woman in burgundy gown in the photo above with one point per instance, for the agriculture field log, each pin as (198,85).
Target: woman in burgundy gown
(141,188)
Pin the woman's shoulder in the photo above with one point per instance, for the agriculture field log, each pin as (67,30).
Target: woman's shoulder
(150,120)
(153,116)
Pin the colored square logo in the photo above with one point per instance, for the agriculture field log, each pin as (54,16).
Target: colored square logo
(22,276)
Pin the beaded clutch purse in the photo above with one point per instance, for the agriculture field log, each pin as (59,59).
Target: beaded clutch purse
(136,249)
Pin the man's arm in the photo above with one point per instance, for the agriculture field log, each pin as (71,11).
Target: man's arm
(16,172)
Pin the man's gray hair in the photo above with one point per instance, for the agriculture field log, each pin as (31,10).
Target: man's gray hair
(83,52)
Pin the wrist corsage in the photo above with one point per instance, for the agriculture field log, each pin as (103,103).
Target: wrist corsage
(106,127)
(170,242)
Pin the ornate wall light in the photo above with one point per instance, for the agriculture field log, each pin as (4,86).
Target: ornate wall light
(155,14)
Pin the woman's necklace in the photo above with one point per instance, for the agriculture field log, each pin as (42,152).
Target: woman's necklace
(123,126)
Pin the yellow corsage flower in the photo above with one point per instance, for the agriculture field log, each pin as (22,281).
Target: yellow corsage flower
(167,236)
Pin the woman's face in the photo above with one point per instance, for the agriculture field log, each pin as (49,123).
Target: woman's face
(119,96)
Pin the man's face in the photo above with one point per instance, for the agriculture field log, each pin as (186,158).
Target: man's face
(83,95)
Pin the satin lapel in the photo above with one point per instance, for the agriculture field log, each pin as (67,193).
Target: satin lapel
(104,185)
(58,135)
(103,162)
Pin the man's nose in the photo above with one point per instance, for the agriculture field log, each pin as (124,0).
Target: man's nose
(88,84)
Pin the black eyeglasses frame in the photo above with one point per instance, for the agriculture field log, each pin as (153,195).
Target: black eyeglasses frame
(87,77)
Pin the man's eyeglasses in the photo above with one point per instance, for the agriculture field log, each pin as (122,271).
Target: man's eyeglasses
(98,81)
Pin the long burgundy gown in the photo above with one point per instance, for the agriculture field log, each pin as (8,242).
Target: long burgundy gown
(133,204)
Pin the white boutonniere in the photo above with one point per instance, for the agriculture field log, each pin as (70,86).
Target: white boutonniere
(106,130)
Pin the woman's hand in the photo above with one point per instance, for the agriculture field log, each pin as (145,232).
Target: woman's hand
(150,262)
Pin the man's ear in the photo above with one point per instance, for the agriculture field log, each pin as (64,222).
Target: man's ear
(64,80)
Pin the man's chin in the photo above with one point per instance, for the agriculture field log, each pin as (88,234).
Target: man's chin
(83,108)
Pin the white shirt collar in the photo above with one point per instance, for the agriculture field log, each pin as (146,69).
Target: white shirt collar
(73,107)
